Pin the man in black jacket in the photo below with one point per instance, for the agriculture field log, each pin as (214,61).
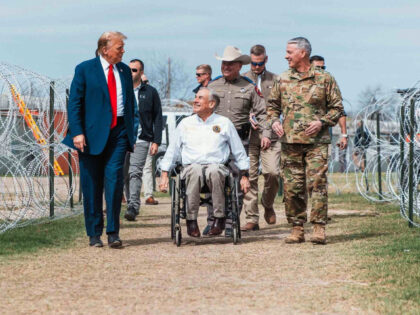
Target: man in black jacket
(149,135)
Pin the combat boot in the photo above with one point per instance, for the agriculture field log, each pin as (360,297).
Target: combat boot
(297,235)
(318,234)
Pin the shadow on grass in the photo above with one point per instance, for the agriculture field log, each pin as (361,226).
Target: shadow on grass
(352,237)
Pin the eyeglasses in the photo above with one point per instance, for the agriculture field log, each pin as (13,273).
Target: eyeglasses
(134,70)
(199,74)
(259,64)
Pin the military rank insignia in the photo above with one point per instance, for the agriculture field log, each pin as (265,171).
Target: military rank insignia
(216,129)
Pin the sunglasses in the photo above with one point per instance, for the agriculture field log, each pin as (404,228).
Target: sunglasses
(323,67)
(259,64)
(199,74)
(134,70)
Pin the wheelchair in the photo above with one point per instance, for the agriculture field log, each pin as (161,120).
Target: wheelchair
(179,204)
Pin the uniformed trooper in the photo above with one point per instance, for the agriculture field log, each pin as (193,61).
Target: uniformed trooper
(270,158)
(238,98)
(310,101)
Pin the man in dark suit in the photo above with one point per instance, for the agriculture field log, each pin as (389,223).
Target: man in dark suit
(102,127)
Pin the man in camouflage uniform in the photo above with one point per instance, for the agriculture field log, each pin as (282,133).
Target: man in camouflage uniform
(238,98)
(310,101)
(270,158)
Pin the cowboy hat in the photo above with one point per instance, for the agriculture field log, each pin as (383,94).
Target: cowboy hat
(234,54)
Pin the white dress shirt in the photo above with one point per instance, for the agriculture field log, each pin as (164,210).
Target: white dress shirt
(105,67)
(205,142)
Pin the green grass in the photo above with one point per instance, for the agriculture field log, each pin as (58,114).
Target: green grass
(388,256)
(30,239)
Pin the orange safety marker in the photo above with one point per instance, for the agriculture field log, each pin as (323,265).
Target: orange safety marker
(27,116)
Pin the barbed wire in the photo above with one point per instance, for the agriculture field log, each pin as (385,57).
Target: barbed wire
(384,152)
(24,162)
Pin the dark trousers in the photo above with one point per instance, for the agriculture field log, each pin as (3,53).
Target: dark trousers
(104,173)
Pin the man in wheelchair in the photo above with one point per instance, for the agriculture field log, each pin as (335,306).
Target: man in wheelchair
(203,143)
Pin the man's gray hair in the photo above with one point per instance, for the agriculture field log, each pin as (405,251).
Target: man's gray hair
(105,38)
(212,95)
(301,43)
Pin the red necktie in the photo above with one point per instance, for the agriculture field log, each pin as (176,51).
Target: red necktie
(112,88)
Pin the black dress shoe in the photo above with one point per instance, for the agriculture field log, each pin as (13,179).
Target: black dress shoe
(130,215)
(95,241)
(114,240)
(192,228)
(217,227)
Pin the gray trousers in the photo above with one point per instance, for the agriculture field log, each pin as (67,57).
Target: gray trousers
(133,176)
(214,176)
(148,177)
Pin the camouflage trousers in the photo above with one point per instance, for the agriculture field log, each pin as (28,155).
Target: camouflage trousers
(304,169)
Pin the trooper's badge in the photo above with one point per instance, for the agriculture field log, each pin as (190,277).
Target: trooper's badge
(216,129)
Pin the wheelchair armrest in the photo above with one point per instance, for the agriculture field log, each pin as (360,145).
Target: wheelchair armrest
(176,170)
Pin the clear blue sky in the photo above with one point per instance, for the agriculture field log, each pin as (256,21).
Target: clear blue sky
(364,42)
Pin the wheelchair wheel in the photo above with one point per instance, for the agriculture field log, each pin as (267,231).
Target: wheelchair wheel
(178,236)
(173,208)
(235,235)
(236,231)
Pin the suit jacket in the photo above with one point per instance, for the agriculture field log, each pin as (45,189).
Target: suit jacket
(89,109)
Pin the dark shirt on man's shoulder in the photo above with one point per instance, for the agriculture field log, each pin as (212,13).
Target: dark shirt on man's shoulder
(150,110)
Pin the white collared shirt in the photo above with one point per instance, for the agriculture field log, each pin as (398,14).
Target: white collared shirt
(105,66)
(205,142)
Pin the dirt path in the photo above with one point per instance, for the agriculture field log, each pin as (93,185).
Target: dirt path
(150,275)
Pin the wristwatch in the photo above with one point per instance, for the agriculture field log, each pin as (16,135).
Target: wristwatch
(245,173)
(344,135)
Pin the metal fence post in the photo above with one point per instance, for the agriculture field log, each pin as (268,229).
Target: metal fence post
(69,158)
(364,154)
(70,178)
(378,149)
(402,153)
(411,166)
(51,150)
